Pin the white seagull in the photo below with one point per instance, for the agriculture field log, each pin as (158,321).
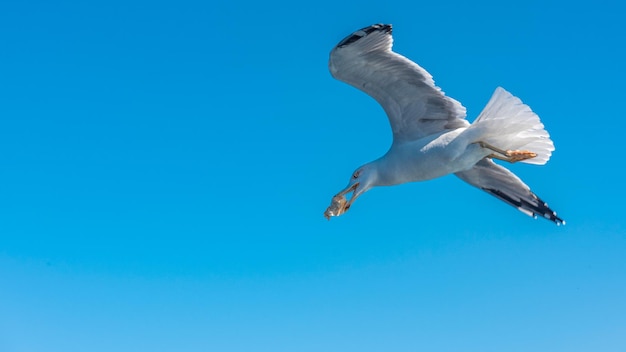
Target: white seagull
(431,137)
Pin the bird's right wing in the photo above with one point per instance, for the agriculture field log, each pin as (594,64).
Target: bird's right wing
(502,183)
(414,105)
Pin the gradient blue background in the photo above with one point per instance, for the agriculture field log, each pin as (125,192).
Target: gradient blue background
(165,166)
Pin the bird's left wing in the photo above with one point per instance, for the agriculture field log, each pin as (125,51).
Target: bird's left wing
(414,105)
(503,184)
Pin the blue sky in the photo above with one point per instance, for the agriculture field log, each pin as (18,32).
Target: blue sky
(165,167)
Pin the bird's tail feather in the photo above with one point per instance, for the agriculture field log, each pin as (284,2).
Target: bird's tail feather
(509,124)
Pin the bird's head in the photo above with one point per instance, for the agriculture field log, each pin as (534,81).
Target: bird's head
(361,181)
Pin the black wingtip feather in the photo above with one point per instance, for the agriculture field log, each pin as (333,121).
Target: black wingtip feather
(387,28)
(539,209)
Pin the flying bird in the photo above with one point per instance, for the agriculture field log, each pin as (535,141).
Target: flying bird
(431,137)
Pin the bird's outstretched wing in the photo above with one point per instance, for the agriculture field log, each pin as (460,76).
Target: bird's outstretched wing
(414,105)
(502,183)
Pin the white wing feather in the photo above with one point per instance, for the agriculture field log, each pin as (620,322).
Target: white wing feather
(414,105)
(503,184)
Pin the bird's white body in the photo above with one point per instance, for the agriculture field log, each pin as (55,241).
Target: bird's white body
(446,152)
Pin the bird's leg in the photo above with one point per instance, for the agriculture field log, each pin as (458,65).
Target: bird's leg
(511,156)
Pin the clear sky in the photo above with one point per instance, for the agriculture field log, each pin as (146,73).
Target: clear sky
(165,167)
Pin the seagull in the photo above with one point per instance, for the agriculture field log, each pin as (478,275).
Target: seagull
(431,137)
